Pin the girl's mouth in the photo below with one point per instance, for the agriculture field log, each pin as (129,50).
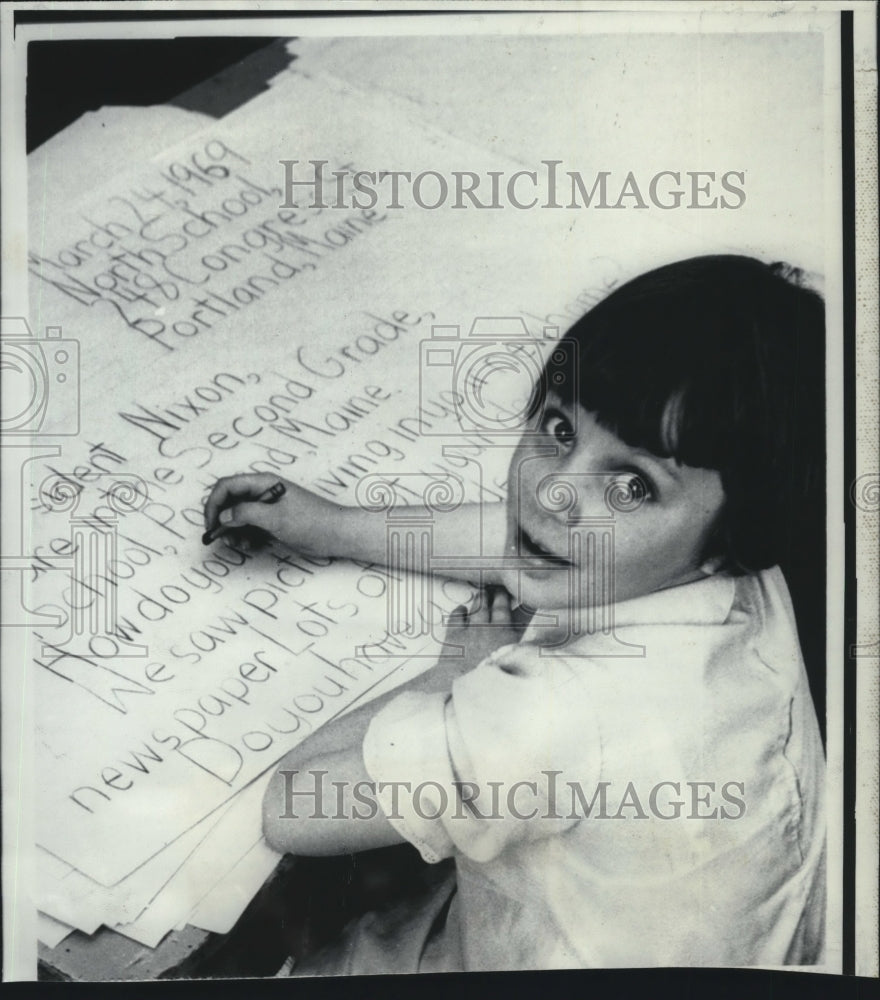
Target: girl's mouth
(528,546)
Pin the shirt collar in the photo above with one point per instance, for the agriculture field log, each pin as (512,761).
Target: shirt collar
(703,602)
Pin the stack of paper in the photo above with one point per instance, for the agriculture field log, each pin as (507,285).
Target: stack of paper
(225,322)
(173,854)
(155,734)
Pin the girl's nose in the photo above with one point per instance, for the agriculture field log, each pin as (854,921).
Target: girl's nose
(565,494)
(561,487)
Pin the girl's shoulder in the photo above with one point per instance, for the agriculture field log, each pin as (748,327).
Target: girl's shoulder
(763,598)
(764,594)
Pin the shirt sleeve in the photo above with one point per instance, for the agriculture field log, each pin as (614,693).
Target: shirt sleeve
(483,768)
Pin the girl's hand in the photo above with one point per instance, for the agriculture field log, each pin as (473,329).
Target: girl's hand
(485,629)
(299,518)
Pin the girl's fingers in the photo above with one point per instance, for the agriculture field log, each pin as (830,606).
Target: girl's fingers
(458,616)
(233,488)
(249,525)
(480,615)
(499,612)
(247,515)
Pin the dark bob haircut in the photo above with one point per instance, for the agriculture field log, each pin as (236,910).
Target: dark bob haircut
(717,362)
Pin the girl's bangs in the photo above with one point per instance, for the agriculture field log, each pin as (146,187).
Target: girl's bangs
(668,407)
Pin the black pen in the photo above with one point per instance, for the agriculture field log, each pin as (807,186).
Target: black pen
(271,495)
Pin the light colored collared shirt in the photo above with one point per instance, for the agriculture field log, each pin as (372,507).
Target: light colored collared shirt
(663,808)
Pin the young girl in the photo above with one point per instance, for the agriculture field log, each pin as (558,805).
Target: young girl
(652,800)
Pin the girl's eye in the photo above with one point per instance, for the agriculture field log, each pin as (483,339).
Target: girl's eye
(559,426)
(630,490)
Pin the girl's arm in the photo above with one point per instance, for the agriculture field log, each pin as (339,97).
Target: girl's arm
(305,813)
(317,526)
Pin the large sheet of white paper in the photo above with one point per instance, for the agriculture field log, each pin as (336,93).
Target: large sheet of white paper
(215,340)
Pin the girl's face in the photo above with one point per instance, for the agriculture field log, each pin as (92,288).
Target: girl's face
(658,543)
